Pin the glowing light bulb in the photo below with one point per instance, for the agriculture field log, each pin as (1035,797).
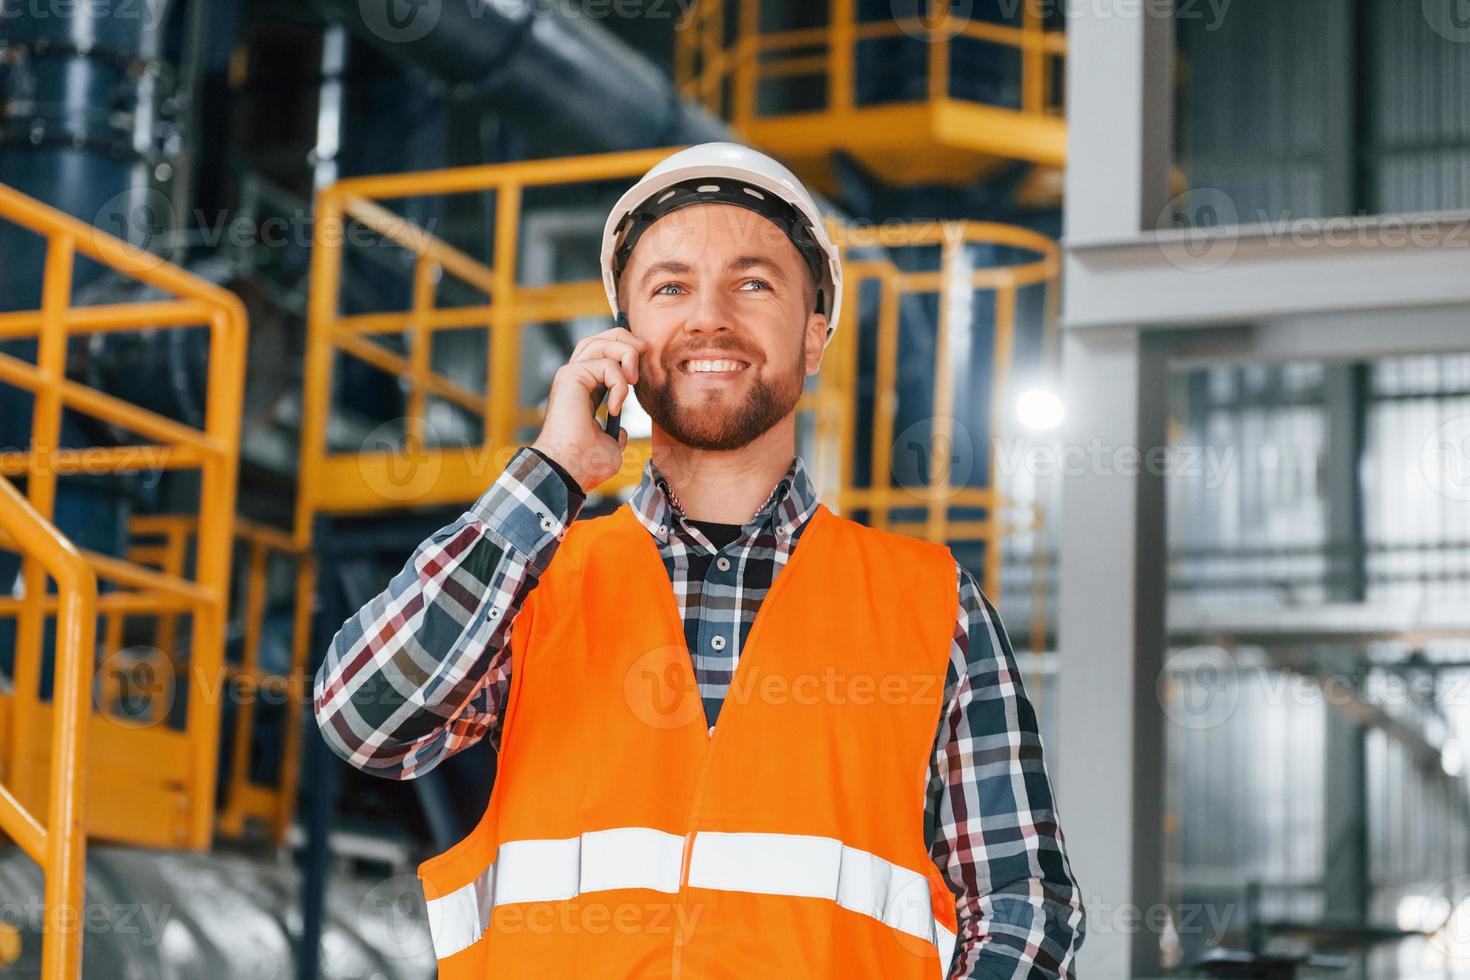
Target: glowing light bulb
(1039,409)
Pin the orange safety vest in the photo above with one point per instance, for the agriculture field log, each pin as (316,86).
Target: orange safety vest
(625,839)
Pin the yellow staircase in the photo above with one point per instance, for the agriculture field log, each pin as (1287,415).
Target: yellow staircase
(148,781)
(59,845)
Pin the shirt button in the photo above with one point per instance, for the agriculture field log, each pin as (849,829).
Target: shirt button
(718,642)
(494,613)
(722,563)
(663,529)
(546,524)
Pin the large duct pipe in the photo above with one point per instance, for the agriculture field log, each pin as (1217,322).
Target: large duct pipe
(83,90)
(564,79)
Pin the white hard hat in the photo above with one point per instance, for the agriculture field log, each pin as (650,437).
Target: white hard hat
(725,173)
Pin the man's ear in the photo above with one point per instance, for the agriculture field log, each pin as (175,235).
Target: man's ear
(814,342)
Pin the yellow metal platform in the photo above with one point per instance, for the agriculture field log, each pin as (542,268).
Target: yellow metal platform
(727,61)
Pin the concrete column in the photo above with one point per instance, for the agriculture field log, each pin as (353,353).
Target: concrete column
(1110,760)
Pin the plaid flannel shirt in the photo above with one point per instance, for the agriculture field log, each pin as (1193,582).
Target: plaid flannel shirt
(423,670)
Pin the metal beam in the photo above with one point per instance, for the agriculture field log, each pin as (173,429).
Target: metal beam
(1233,273)
(1329,624)
(1346,389)
(1349,884)
(1109,767)
(1120,120)
(1358,335)
(1110,763)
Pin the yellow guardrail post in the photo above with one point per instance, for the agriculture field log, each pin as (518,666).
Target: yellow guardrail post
(60,847)
(938,32)
(505,339)
(1033,60)
(45,438)
(321,319)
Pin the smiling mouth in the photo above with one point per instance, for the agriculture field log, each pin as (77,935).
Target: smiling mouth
(713,367)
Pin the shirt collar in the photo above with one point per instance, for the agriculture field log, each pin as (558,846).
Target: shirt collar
(792,500)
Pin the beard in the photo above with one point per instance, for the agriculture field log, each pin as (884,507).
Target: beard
(711,422)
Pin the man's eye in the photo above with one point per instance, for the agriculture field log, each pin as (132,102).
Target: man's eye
(756,282)
(668,285)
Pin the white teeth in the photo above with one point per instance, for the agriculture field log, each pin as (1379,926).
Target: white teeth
(694,367)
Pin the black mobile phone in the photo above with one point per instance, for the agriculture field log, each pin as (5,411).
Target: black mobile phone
(615,421)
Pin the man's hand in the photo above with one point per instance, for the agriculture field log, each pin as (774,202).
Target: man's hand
(571,434)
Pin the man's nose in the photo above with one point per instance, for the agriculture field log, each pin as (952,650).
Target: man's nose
(712,312)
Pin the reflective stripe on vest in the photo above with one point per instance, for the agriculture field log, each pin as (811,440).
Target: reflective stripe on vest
(641,857)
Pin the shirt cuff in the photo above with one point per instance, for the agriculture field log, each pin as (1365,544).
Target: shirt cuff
(530,505)
(574,489)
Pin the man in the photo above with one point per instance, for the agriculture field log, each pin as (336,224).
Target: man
(813,756)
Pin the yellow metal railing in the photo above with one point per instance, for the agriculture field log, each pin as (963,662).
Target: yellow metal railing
(956,283)
(139,682)
(149,784)
(139,689)
(59,847)
(245,800)
(723,57)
